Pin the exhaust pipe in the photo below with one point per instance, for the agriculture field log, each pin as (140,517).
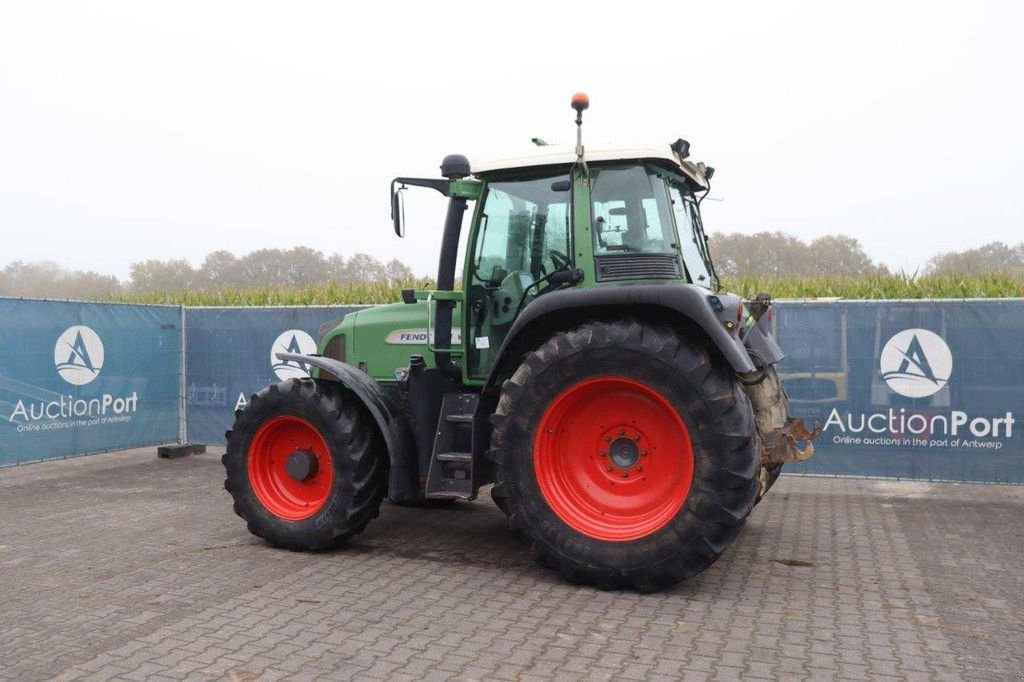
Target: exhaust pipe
(453,167)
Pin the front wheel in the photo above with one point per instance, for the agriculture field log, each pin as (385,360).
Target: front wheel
(305,465)
(626,456)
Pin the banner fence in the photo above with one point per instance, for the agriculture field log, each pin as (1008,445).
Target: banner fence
(927,390)
(77,378)
(919,389)
(230,354)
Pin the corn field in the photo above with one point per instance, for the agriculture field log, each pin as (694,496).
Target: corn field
(868,287)
(882,286)
(329,293)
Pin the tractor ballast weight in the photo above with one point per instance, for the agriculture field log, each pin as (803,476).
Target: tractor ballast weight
(627,411)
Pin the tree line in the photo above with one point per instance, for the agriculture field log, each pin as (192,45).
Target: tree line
(777,254)
(764,254)
(219,271)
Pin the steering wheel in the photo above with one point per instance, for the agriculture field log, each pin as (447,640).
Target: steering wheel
(560,260)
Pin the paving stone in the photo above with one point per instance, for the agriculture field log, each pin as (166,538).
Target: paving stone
(128,566)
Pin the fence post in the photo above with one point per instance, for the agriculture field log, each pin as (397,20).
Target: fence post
(182,385)
(183,448)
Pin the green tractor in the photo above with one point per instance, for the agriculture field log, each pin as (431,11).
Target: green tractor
(627,412)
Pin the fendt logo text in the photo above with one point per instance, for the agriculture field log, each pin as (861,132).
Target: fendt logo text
(78,355)
(916,363)
(291,341)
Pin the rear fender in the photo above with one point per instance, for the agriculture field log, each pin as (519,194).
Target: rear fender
(403,483)
(761,345)
(680,303)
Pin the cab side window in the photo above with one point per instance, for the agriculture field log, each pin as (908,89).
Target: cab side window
(631,212)
(521,223)
(691,236)
(492,257)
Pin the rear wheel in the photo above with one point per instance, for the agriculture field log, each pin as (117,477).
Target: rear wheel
(305,465)
(625,455)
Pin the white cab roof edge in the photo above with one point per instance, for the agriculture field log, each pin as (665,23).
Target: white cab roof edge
(554,155)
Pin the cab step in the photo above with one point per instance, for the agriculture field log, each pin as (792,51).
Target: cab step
(451,463)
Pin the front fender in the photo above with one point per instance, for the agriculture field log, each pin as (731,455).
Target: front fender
(403,480)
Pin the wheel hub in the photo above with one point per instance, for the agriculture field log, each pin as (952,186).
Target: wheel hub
(624,452)
(301,465)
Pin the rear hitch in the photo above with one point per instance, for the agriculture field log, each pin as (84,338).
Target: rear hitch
(781,434)
(783,444)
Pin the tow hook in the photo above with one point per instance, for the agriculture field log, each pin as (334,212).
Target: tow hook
(782,444)
(781,434)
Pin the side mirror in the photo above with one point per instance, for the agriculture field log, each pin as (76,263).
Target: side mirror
(398,211)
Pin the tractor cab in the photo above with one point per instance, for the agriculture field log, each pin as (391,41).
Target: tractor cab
(554,219)
(544,223)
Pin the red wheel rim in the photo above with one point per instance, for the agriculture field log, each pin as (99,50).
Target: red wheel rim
(613,458)
(282,493)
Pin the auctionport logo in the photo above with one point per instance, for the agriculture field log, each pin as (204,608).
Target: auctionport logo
(916,363)
(291,341)
(78,355)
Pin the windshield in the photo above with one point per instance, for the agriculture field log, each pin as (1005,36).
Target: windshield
(691,236)
(631,212)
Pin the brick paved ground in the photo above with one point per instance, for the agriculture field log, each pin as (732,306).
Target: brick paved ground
(124,565)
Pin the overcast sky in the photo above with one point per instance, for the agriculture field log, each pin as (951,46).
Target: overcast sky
(143,130)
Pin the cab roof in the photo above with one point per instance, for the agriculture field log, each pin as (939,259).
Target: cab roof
(558,155)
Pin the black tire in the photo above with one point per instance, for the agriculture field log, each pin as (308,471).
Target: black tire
(701,390)
(499,499)
(358,459)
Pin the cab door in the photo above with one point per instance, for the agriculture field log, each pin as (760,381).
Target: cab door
(521,235)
